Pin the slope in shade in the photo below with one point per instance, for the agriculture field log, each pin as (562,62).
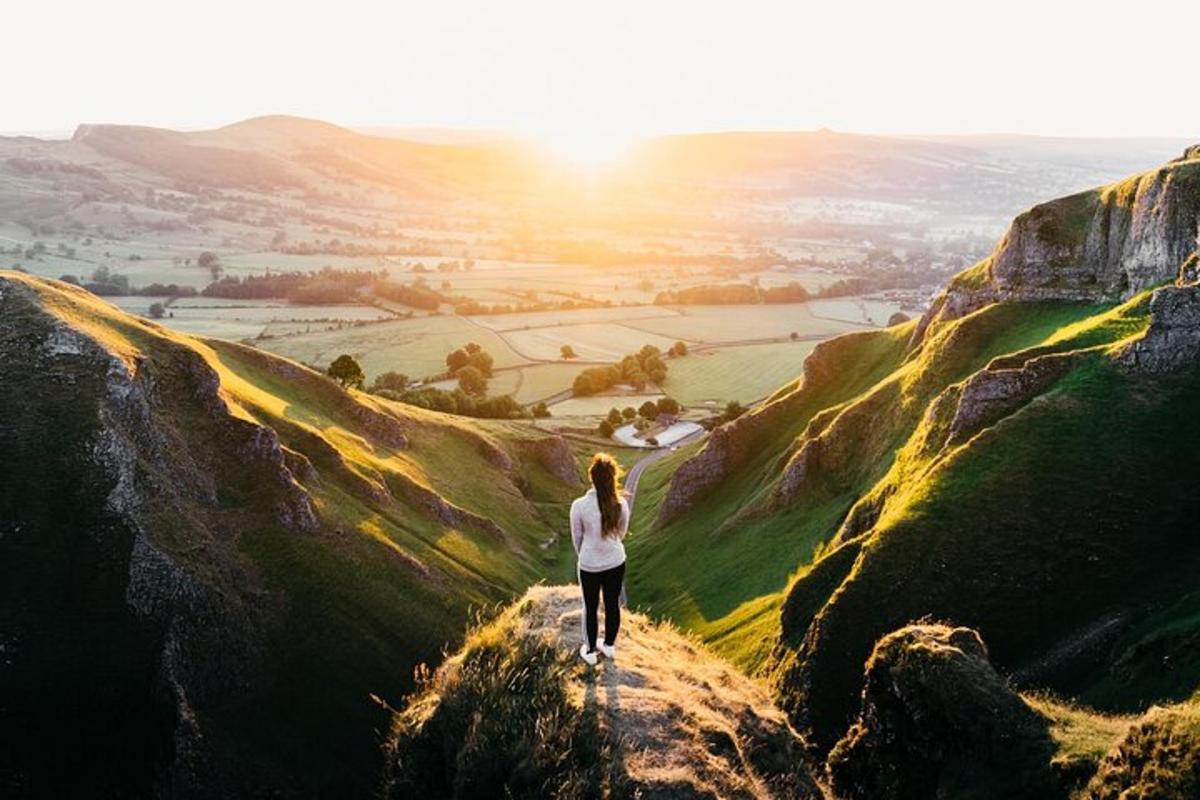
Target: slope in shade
(213,557)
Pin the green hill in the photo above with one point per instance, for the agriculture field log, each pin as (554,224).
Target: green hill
(1019,461)
(211,558)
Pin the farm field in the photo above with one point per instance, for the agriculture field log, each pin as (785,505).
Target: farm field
(542,319)
(247,319)
(527,384)
(591,341)
(417,347)
(598,405)
(744,373)
(854,309)
(718,324)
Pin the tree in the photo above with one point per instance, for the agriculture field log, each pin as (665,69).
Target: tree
(678,349)
(899,318)
(605,429)
(472,348)
(567,351)
(628,412)
(471,380)
(668,405)
(346,371)
(157,311)
(393,381)
(795,336)
(541,411)
(456,360)
(480,360)
(648,410)
(614,417)
(733,410)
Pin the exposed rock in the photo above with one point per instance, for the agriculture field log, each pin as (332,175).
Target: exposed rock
(1172,341)
(555,455)
(1102,245)
(993,393)
(438,507)
(937,721)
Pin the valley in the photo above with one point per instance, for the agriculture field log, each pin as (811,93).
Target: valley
(913,513)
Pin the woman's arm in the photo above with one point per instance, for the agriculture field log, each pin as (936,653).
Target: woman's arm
(625,514)
(576,527)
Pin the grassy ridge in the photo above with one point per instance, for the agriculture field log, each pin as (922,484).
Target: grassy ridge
(297,628)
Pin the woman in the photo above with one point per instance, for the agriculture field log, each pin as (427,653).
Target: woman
(599,522)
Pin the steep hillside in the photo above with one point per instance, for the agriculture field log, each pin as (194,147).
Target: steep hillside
(1020,461)
(211,558)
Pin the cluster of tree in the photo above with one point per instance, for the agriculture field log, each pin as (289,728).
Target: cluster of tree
(731,294)
(104,282)
(643,367)
(336,247)
(648,411)
(733,410)
(326,286)
(415,294)
(470,307)
(472,365)
(460,402)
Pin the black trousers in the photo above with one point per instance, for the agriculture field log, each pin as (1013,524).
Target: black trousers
(593,583)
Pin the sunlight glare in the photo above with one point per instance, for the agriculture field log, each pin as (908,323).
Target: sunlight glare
(588,148)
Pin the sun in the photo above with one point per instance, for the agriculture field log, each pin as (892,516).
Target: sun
(588,148)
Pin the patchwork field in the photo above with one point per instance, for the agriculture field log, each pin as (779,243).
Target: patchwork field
(591,341)
(718,324)
(248,319)
(416,347)
(598,406)
(744,373)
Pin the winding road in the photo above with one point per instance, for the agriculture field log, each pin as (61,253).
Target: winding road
(635,472)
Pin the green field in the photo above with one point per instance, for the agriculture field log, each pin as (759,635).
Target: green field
(416,347)
(745,373)
(591,341)
(717,324)
(598,405)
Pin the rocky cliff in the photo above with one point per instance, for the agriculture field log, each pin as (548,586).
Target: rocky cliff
(1104,244)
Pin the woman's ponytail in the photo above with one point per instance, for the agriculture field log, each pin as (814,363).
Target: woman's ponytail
(604,472)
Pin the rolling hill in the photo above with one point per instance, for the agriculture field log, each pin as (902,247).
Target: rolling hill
(211,558)
(1018,461)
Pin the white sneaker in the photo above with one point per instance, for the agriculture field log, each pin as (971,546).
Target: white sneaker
(586,655)
(609,650)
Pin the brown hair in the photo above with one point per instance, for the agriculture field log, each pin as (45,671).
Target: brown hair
(604,473)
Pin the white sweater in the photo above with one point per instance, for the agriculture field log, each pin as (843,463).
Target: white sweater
(596,551)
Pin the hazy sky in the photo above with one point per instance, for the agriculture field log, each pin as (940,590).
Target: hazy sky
(608,69)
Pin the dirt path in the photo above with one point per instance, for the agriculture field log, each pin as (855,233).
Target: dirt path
(680,722)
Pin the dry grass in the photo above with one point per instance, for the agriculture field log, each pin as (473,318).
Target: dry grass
(673,719)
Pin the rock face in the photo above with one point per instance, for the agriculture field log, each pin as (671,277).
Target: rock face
(937,721)
(1101,245)
(554,455)
(1172,341)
